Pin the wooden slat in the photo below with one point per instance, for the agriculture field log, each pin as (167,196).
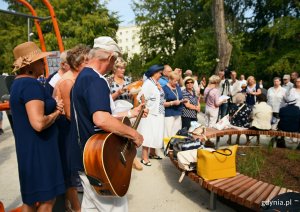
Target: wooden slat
(273,193)
(243,196)
(255,194)
(224,182)
(263,196)
(213,182)
(237,179)
(228,191)
(216,186)
(282,190)
(201,182)
(242,189)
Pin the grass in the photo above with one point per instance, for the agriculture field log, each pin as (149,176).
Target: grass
(279,179)
(293,155)
(202,107)
(251,164)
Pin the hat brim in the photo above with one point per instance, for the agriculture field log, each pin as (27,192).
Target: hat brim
(188,79)
(33,59)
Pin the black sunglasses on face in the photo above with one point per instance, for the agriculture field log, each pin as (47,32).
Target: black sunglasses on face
(189,82)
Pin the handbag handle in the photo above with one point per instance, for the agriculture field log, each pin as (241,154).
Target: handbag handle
(223,153)
(238,111)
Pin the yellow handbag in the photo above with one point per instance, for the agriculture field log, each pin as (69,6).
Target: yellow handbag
(215,164)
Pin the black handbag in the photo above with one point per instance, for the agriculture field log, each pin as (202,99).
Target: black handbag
(183,132)
(172,142)
(182,144)
(187,144)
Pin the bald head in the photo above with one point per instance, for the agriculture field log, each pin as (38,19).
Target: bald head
(167,70)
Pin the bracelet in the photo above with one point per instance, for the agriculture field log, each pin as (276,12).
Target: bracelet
(129,114)
(171,104)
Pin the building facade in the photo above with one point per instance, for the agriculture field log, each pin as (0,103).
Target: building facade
(128,39)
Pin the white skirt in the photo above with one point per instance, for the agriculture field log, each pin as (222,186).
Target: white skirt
(172,125)
(152,129)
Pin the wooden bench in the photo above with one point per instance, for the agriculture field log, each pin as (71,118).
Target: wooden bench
(240,189)
(214,133)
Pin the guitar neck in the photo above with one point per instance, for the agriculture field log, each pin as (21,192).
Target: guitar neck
(138,118)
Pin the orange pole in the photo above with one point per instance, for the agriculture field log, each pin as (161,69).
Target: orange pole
(55,25)
(38,29)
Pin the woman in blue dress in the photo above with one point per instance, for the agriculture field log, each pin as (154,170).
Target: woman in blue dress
(34,113)
(173,105)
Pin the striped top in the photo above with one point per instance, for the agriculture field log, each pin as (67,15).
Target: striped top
(193,99)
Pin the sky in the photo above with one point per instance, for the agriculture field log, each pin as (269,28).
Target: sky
(121,6)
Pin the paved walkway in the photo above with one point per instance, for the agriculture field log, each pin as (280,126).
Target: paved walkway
(156,188)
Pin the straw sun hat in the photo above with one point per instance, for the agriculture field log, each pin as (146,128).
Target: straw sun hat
(27,53)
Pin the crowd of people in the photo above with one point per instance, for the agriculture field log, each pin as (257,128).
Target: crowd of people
(54,120)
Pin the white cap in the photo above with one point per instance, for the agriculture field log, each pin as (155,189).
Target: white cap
(107,43)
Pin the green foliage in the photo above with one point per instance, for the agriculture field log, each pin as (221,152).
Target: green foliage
(264,35)
(79,22)
(136,67)
(167,25)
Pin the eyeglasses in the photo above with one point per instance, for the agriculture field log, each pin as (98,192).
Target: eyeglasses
(191,82)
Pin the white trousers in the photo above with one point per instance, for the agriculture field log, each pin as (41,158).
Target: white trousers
(211,116)
(93,202)
(172,125)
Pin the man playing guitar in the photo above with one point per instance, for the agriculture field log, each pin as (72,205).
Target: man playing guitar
(92,108)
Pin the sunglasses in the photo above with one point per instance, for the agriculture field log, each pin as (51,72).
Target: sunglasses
(190,82)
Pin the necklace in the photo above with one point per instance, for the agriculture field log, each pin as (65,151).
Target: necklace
(175,93)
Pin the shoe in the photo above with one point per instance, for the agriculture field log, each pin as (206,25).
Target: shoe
(1,131)
(146,163)
(137,165)
(155,157)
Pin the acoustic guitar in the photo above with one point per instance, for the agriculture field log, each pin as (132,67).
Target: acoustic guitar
(108,159)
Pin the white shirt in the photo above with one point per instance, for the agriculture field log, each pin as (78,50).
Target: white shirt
(235,87)
(224,88)
(242,82)
(296,94)
(276,98)
(54,79)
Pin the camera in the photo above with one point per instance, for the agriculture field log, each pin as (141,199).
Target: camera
(227,73)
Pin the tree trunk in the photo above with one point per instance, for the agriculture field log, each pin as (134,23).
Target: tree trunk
(224,47)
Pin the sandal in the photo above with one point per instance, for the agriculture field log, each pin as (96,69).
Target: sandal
(146,163)
(155,157)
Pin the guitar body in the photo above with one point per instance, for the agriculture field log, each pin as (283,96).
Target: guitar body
(107,160)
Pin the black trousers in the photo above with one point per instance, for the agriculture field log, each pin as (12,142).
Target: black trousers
(186,122)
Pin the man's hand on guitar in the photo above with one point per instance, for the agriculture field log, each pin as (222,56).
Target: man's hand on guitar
(135,111)
(138,139)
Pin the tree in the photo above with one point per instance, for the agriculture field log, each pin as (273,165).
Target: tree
(79,22)
(166,26)
(223,44)
(136,67)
